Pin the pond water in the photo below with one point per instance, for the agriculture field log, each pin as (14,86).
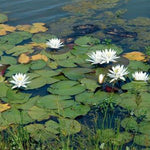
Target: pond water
(64,96)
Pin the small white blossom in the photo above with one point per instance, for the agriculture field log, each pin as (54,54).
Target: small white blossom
(108,56)
(95,57)
(54,43)
(101,78)
(140,76)
(19,80)
(118,72)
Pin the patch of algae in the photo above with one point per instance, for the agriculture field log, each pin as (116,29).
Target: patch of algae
(86,6)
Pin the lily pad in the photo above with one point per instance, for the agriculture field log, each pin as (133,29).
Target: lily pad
(3,18)
(37,113)
(8,60)
(38,64)
(129,124)
(86,41)
(76,73)
(142,140)
(89,83)
(66,87)
(54,102)
(42,37)
(74,111)
(91,98)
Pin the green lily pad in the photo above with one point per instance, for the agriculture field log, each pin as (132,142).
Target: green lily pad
(91,98)
(3,89)
(142,140)
(37,113)
(129,124)
(65,126)
(14,116)
(86,41)
(66,87)
(38,64)
(75,73)
(54,102)
(103,47)
(3,18)
(8,60)
(42,37)
(74,111)
(15,38)
(17,50)
(16,98)
(105,135)
(137,66)
(127,101)
(122,138)
(144,127)
(38,132)
(89,83)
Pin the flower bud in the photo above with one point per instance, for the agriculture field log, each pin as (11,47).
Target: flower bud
(101,78)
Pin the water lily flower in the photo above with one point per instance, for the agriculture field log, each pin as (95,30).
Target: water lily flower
(54,43)
(95,57)
(102,57)
(101,78)
(140,76)
(108,56)
(118,72)
(19,80)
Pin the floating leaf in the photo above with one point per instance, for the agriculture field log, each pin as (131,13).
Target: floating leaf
(66,87)
(138,56)
(144,127)
(4,107)
(91,98)
(37,113)
(23,59)
(3,89)
(74,111)
(143,140)
(15,38)
(86,41)
(39,57)
(38,64)
(76,73)
(8,60)
(55,102)
(6,28)
(42,37)
(3,18)
(89,83)
(129,124)
(34,28)
(122,138)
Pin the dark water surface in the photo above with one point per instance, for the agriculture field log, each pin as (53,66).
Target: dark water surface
(29,11)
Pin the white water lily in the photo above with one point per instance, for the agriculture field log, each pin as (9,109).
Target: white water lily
(104,56)
(140,76)
(54,43)
(108,56)
(101,78)
(95,57)
(118,72)
(19,80)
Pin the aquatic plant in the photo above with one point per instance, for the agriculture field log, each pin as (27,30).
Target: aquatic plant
(118,72)
(19,80)
(102,56)
(140,76)
(55,43)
